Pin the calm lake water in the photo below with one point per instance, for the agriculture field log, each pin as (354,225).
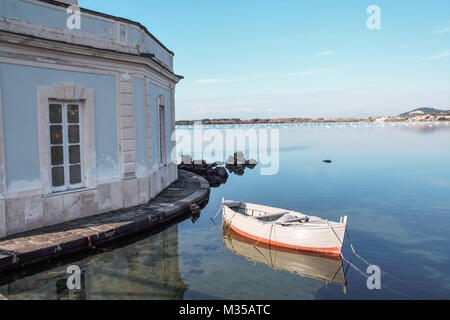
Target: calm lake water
(392,180)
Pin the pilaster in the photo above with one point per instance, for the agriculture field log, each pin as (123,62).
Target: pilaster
(127,125)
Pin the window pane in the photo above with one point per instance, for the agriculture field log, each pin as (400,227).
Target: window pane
(57,155)
(58,176)
(122,33)
(56,135)
(74,154)
(72,113)
(55,113)
(75,174)
(74,134)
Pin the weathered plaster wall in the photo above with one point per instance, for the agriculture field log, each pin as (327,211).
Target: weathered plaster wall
(54,17)
(19,88)
(160,176)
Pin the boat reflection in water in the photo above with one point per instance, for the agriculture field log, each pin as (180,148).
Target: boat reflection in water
(328,268)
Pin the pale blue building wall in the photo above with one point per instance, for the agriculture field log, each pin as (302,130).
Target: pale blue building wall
(155,91)
(52,17)
(141,128)
(20,119)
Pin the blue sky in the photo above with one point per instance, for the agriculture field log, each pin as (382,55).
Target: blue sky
(296,58)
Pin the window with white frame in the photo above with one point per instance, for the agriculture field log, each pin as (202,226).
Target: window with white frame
(161,130)
(65,145)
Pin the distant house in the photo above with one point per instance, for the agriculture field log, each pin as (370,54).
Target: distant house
(87,114)
(416,113)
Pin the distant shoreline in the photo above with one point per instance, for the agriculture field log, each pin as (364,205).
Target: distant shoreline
(421,118)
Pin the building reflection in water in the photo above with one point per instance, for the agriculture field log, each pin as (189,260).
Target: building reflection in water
(146,269)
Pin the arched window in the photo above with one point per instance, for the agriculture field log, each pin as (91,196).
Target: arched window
(161,104)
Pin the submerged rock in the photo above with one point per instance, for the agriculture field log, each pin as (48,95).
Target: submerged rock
(210,171)
(221,172)
(238,170)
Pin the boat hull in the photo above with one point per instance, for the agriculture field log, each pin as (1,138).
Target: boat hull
(324,238)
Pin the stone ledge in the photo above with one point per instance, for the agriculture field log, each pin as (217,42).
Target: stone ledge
(46,243)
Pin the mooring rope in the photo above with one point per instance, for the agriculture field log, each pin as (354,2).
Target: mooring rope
(353,249)
(270,245)
(367,277)
(220,207)
(367,263)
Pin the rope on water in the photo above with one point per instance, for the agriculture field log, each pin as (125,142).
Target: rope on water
(354,251)
(220,207)
(367,263)
(367,277)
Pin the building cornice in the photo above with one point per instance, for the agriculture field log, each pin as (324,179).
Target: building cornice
(20,40)
(104,15)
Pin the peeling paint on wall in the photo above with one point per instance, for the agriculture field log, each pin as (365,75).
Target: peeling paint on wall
(107,170)
(22,185)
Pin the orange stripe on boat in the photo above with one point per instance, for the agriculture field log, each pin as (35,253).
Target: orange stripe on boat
(331,251)
(238,237)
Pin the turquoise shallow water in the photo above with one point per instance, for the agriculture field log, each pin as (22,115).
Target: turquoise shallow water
(392,180)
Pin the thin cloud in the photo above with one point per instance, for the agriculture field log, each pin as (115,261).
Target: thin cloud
(243,109)
(443,54)
(206,110)
(218,81)
(324,53)
(311,72)
(443,30)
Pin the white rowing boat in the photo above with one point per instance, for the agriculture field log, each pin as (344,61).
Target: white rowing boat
(306,264)
(284,228)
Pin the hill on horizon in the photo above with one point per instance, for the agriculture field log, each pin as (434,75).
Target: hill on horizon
(424,110)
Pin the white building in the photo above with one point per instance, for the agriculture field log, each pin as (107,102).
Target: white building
(87,114)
